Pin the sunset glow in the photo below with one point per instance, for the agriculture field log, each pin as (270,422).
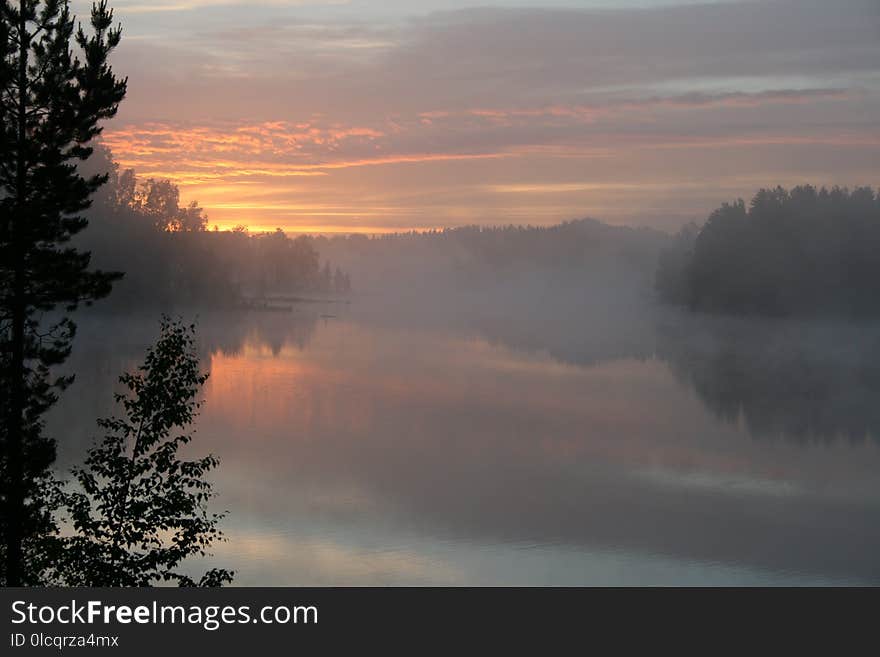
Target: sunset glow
(367,117)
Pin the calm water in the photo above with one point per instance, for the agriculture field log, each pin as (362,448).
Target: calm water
(367,451)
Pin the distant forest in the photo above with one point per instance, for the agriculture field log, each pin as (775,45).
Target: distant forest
(802,252)
(568,244)
(169,256)
(491,264)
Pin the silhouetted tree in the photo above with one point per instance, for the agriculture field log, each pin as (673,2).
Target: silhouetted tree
(191,219)
(341,282)
(801,252)
(569,245)
(326,284)
(672,279)
(51,104)
(170,258)
(159,200)
(126,188)
(142,509)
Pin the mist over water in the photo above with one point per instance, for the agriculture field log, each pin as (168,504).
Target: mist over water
(525,429)
(423,363)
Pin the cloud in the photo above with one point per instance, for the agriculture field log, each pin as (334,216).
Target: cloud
(200,153)
(406,113)
(283,148)
(473,58)
(139,7)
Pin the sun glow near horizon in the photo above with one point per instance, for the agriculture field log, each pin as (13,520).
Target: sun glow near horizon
(269,116)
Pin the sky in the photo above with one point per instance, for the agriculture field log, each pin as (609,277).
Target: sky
(383,115)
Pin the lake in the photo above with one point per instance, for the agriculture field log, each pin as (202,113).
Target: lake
(365,449)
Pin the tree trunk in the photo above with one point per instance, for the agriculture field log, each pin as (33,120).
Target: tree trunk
(14,436)
(15,419)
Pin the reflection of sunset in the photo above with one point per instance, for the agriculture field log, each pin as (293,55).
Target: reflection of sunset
(359,454)
(530,406)
(240,385)
(447,292)
(380,438)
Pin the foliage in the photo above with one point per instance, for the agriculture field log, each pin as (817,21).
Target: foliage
(673,266)
(170,258)
(159,200)
(803,252)
(569,244)
(56,87)
(142,509)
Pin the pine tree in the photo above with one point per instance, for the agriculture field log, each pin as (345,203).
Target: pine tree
(56,87)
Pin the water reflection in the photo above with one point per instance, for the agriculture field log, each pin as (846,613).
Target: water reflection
(109,344)
(354,453)
(817,381)
(812,381)
(229,333)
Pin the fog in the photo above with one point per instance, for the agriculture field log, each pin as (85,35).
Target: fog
(453,305)
(379,440)
(573,404)
(518,406)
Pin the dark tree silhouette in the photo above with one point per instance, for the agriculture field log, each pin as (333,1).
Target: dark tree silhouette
(571,244)
(341,282)
(673,267)
(159,200)
(142,509)
(171,259)
(803,252)
(326,278)
(51,103)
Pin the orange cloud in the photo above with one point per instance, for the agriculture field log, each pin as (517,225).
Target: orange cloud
(311,172)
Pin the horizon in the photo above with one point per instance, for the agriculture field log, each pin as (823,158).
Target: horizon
(368,117)
(508,296)
(311,231)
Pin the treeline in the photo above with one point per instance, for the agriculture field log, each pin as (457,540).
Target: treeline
(494,265)
(169,256)
(802,252)
(570,243)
